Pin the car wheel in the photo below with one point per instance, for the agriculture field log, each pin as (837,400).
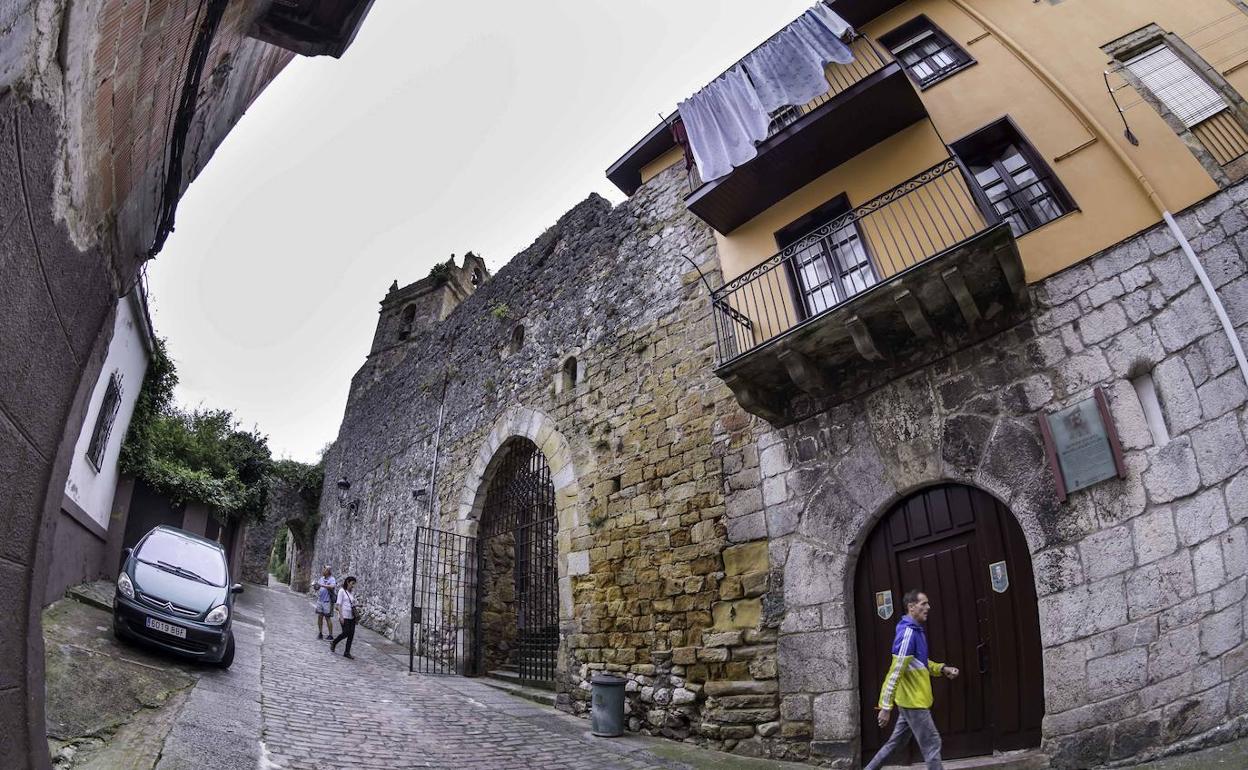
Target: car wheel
(228,657)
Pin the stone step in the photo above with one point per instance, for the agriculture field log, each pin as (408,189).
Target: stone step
(512,676)
(1012,760)
(96,594)
(513,687)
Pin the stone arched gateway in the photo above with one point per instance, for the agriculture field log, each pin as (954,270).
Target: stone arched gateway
(965,551)
(525,451)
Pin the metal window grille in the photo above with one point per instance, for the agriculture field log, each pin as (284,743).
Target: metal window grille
(1176,85)
(104,422)
(930,56)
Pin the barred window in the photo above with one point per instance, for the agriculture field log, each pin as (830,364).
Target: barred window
(104,422)
(927,53)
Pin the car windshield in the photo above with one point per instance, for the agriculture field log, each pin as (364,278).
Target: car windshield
(180,554)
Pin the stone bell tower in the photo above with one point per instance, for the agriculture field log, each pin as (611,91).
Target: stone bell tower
(409,311)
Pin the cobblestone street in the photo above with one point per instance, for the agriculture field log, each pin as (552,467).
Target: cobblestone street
(322,711)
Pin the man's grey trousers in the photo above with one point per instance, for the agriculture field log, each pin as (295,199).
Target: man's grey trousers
(916,722)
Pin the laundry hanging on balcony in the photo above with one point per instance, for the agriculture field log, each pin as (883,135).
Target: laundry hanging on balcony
(727,118)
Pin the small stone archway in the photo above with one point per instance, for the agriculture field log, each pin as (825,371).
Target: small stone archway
(522,422)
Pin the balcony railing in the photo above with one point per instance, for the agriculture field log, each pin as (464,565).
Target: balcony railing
(923,217)
(868,59)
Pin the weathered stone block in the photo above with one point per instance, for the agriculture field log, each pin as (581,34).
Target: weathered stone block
(1107,552)
(1057,570)
(1119,673)
(1201,517)
(1154,535)
(1173,472)
(836,716)
(742,613)
(1186,319)
(812,575)
(1163,584)
(815,662)
(1179,400)
(1207,566)
(1220,449)
(1103,323)
(750,557)
(1221,632)
(1082,611)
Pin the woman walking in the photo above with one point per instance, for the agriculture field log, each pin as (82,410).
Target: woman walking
(346,616)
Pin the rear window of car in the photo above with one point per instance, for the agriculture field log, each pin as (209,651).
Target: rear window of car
(203,560)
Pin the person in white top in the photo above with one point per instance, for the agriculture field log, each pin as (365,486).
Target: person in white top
(346,607)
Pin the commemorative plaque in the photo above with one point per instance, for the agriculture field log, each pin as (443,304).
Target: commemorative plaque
(1082,445)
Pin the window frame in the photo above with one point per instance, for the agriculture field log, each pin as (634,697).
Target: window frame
(822,215)
(908,32)
(97,447)
(993,133)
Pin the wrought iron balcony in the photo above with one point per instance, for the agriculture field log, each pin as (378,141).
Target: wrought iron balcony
(928,262)
(868,100)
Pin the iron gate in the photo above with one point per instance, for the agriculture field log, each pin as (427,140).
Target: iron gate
(443,572)
(520,504)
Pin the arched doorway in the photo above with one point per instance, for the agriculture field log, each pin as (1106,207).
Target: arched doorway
(517,609)
(967,553)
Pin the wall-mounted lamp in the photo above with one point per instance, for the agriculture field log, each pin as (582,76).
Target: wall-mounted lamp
(343,484)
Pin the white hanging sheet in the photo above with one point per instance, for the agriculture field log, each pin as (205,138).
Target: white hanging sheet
(789,68)
(726,119)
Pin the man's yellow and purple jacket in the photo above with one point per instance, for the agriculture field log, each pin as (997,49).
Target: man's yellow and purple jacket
(908,682)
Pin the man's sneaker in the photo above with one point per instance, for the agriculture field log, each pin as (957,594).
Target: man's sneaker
(332,645)
(320,636)
(348,656)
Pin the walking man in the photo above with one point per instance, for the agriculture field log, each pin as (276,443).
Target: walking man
(346,617)
(324,602)
(909,685)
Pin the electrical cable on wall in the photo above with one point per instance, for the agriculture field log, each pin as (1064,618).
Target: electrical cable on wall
(187,102)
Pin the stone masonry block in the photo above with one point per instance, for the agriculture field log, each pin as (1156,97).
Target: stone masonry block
(578,563)
(1177,393)
(1220,449)
(812,576)
(1120,673)
(815,662)
(1136,349)
(1153,534)
(744,529)
(740,559)
(1201,517)
(836,716)
(1173,472)
(1082,611)
(1065,684)
(1221,632)
(1160,585)
(1222,394)
(1235,552)
(1057,569)
(1107,552)
(1207,566)
(1102,323)
(1237,497)
(742,613)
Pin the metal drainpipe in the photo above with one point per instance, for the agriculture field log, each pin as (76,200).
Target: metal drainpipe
(1089,121)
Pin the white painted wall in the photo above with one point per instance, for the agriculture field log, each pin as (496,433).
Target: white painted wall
(128,354)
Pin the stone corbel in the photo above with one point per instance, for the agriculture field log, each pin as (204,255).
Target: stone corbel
(751,400)
(913,312)
(805,373)
(863,340)
(1012,269)
(956,284)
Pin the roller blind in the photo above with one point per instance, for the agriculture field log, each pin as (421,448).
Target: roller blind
(1176,85)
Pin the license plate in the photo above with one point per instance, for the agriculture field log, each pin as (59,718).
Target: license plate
(168,628)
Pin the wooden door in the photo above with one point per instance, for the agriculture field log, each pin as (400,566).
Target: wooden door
(944,542)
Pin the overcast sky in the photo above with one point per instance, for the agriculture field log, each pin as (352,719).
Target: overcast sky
(447,127)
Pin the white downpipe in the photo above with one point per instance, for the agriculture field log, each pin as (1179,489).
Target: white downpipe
(1212,294)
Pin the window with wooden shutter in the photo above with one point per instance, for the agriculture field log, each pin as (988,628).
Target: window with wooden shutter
(1176,85)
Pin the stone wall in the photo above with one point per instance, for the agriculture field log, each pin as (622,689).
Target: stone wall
(1141,581)
(637,432)
(83,135)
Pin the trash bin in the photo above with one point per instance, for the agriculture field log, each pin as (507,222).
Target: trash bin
(606,716)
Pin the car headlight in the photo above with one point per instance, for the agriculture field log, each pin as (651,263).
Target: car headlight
(125,586)
(218,615)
